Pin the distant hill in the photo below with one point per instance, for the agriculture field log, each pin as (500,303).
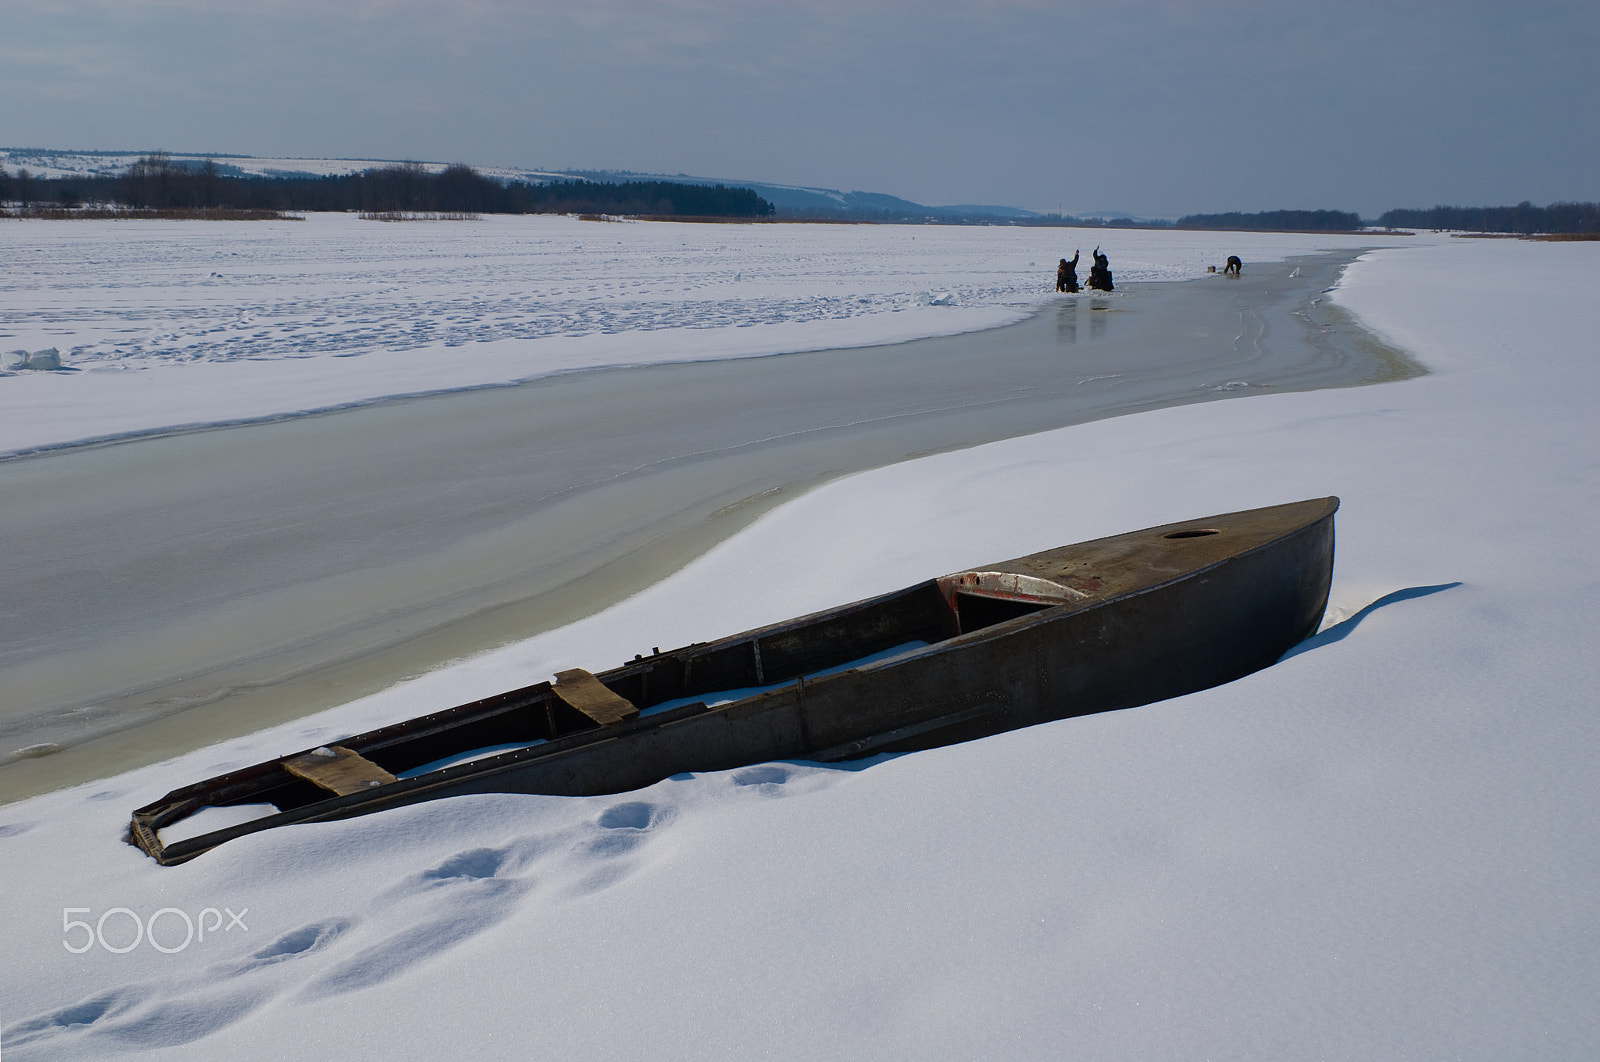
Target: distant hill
(50,163)
(794,200)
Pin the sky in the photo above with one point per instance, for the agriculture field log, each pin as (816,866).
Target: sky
(1152,107)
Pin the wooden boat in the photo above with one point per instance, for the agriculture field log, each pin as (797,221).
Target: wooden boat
(1101,625)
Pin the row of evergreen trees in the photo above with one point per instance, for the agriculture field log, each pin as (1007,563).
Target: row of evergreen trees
(156,182)
(1275,220)
(22,188)
(1522,218)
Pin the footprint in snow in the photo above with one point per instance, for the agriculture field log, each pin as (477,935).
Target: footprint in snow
(305,940)
(766,774)
(169,1013)
(794,779)
(474,863)
(77,1018)
(466,896)
(633,815)
(172,1022)
(626,826)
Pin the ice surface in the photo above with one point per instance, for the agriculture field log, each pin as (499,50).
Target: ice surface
(179,323)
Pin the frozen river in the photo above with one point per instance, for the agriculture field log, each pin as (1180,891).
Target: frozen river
(159,593)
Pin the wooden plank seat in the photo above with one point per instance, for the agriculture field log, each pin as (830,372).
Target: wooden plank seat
(582,691)
(337,770)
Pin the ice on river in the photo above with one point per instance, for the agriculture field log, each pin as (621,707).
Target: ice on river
(161,324)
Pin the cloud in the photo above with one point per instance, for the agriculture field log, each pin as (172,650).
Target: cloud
(1160,107)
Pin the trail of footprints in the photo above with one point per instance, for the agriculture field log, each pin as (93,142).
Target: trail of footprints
(418,918)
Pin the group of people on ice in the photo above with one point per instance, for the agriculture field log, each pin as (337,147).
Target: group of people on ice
(1099,273)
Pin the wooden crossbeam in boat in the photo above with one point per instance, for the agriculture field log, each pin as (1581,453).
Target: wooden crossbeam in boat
(589,695)
(337,770)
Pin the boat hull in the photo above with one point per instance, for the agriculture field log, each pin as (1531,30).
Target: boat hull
(1099,626)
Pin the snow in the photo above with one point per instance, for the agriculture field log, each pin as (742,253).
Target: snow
(1384,846)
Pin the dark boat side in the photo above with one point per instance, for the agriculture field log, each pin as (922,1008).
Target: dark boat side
(1101,625)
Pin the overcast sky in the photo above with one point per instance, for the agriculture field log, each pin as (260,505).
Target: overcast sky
(1155,108)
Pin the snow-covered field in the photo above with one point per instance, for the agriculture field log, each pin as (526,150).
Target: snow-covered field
(160,324)
(1383,847)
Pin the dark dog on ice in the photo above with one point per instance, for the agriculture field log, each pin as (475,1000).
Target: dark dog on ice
(1067,273)
(1233,266)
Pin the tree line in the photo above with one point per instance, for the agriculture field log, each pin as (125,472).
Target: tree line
(157,182)
(1523,218)
(1275,220)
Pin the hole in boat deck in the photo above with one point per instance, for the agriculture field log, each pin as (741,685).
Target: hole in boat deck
(977,613)
(1193,532)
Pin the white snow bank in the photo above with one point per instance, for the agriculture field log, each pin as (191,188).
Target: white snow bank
(1383,847)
